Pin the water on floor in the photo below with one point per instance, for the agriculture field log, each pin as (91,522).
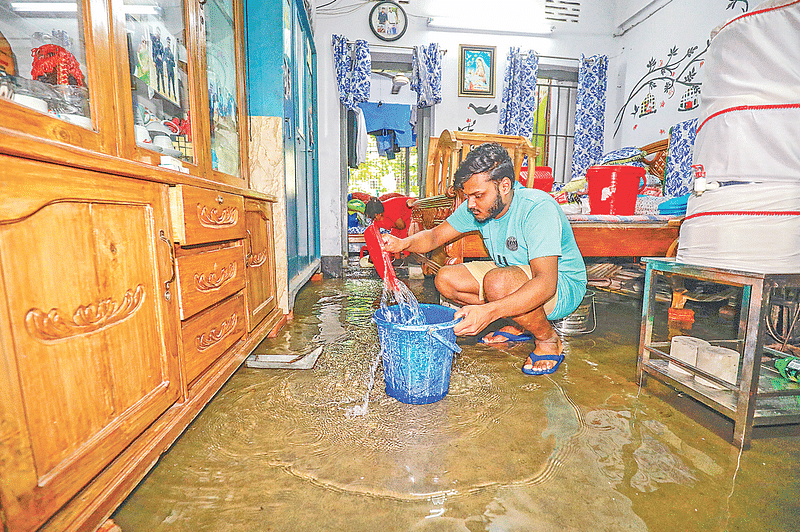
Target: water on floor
(582,450)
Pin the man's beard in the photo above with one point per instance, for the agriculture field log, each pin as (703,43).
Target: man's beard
(496,208)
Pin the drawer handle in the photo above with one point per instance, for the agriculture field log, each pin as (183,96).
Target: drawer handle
(217,219)
(220,200)
(163,236)
(53,326)
(208,282)
(216,335)
(254,260)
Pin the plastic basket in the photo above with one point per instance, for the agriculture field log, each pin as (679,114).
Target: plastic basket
(417,358)
(543,178)
(613,189)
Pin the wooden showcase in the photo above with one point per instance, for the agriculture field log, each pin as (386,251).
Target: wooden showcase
(137,274)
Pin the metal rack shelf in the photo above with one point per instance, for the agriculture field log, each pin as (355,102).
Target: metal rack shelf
(760,396)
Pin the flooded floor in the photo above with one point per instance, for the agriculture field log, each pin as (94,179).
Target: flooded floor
(584,449)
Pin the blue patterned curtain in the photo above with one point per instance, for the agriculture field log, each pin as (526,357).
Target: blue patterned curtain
(353,70)
(678,174)
(518,110)
(590,113)
(426,78)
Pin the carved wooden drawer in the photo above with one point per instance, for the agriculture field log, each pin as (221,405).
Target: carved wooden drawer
(200,216)
(207,275)
(209,334)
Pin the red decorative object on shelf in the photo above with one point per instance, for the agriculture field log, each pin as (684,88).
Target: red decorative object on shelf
(55,65)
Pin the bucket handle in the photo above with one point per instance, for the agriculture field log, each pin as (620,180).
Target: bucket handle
(445,341)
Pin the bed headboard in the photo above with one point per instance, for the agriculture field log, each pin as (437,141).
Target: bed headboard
(656,157)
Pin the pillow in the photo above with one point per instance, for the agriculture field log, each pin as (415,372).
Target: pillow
(629,156)
(355,205)
(678,170)
(363,196)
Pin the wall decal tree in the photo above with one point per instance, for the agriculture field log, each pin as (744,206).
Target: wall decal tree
(672,71)
(732,5)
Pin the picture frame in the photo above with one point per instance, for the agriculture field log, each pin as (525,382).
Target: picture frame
(387,20)
(476,71)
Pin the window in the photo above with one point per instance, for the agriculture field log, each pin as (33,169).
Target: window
(554,125)
(380,175)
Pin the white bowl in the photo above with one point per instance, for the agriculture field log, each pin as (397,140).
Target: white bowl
(31,101)
(157,127)
(78,120)
(142,135)
(162,141)
(172,152)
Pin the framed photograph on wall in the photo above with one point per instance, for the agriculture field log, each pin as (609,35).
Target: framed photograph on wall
(476,71)
(388,21)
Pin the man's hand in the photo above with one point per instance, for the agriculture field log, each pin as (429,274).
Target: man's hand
(392,244)
(476,318)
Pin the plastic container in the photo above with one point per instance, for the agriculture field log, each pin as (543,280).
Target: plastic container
(543,178)
(417,358)
(720,362)
(613,189)
(685,349)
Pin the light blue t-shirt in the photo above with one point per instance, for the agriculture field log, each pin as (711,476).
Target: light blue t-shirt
(534,226)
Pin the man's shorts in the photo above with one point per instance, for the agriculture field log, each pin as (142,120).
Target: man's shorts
(569,292)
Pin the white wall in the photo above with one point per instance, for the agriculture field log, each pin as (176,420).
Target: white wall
(592,35)
(661,25)
(658,26)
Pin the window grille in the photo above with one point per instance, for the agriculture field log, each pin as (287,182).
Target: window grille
(554,125)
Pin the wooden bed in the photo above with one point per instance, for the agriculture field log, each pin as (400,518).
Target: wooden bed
(597,236)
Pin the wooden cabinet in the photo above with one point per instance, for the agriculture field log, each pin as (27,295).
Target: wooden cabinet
(210,226)
(212,332)
(203,215)
(207,275)
(159,83)
(125,260)
(89,343)
(259,261)
(53,82)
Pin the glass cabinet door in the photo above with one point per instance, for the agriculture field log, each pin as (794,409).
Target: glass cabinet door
(53,69)
(160,94)
(223,100)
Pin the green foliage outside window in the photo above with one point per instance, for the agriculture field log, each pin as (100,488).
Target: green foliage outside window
(379,175)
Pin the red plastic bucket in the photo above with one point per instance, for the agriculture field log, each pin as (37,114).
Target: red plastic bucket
(613,189)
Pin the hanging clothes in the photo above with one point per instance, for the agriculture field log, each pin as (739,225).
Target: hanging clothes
(426,77)
(590,110)
(353,70)
(518,110)
(390,123)
(361,137)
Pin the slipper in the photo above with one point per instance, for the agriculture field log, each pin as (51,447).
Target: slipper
(511,337)
(535,358)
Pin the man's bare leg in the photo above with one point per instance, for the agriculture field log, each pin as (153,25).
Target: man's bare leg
(456,283)
(501,282)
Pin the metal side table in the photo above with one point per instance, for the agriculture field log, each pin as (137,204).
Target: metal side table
(760,396)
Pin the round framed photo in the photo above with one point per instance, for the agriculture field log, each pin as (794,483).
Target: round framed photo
(388,21)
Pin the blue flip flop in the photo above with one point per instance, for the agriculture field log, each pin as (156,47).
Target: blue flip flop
(534,358)
(511,337)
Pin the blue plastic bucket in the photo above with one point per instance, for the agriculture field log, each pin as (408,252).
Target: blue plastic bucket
(417,358)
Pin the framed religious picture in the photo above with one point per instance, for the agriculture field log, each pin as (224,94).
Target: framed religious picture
(388,21)
(476,71)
